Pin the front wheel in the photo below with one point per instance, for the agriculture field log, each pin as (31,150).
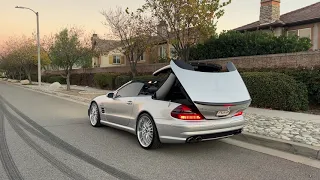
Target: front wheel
(94,115)
(147,133)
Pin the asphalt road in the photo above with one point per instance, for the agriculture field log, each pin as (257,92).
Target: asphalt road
(43,137)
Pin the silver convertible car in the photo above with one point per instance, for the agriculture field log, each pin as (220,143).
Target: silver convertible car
(184,103)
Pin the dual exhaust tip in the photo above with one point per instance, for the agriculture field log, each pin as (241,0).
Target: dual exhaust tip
(194,139)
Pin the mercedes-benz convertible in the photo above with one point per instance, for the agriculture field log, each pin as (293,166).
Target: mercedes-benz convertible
(184,103)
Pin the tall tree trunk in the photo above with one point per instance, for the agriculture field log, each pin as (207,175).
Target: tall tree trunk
(185,53)
(68,80)
(133,67)
(28,74)
(29,78)
(134,73)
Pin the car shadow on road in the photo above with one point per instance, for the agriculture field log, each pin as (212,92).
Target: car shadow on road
(188,148)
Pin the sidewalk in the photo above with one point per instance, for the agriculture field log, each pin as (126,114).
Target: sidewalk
(285,114)
(281,125)
(77,93)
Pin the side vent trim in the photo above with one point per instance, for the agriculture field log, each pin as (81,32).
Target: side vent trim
(103,110)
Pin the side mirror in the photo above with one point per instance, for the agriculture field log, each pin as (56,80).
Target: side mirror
(110,95)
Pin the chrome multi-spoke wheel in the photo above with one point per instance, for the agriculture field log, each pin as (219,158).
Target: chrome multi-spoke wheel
(146,132)
(94,115)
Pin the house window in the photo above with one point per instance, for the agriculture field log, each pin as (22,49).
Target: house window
(305,33)
(293,33)
(116,59)
(162,52)
(301,33)
(141,57)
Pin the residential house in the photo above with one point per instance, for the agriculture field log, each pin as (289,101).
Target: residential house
(304,22)
(111,51)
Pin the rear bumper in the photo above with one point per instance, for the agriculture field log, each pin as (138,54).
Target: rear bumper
(177,131)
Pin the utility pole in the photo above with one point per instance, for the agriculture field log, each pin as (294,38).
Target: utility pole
(38,42)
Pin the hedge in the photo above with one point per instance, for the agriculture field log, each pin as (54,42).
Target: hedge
(53,79)
(235,44)
(105,80)
(121,79)
(311,78)
(83,79)
(276,90)
(145,78)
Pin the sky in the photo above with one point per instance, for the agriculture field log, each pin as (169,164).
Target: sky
(57,14)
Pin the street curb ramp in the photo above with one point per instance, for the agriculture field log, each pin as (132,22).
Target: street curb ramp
(279,144)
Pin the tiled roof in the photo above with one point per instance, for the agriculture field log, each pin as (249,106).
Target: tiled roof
(311,12)
(105,46)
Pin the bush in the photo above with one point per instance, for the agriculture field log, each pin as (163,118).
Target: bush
(234,44)
(44,78)
(34,77)
(121,79)
(105,80)
(52,79)
(145,78)
(276,90)
(83,79)
(311,78)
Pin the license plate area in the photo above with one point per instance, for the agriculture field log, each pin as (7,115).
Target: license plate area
(223,113)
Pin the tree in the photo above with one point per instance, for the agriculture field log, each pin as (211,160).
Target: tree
(9,66)
(185,22)
(22,56)
(27,57)
(70,47)
(134,30)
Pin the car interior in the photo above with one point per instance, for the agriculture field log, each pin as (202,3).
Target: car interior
(168,88)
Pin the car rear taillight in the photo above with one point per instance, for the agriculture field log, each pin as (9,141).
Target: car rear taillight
(238,113)
(183,112)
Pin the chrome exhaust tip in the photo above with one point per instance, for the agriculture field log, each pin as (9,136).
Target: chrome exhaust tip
(198,139)
(190,139)
(194,139)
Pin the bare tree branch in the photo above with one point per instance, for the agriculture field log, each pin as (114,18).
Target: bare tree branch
(188,21)
(134,30)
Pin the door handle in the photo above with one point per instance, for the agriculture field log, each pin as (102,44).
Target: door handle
(129,102)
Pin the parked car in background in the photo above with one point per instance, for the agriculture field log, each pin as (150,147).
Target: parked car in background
(189,103)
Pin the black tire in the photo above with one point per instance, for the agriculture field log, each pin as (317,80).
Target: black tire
(155,143)
(95,123)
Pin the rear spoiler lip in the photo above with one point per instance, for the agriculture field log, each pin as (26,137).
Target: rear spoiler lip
(230,67)
(222,104)
(161,69)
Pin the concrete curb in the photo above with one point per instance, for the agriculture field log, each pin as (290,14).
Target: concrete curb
(279,144)
(56,94)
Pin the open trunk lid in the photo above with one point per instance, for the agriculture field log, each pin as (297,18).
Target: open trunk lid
(216,94)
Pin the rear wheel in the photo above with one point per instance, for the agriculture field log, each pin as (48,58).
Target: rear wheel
(147,133)
(94,115)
